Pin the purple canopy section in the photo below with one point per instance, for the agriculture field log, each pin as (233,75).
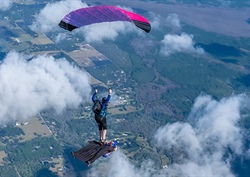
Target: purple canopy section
(99,14)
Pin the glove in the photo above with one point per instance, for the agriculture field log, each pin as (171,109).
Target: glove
(110,91)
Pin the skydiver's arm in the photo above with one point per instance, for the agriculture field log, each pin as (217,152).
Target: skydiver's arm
(108,98)
(94,97)
(105,102)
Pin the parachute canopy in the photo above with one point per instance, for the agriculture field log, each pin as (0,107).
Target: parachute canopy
(99,14)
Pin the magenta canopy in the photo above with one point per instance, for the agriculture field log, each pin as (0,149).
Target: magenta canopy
(99,14)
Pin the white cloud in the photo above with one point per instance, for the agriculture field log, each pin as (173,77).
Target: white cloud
(119,165)
(248,154)
(225,3)
(60,37)
(204,142)
(176,41)
(51,15)
(122,166)
(174,21)
(5,4)
(173,43)
(108,30)
(155,21)
(27,87)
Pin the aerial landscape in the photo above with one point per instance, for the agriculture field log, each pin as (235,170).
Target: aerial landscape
(180,104)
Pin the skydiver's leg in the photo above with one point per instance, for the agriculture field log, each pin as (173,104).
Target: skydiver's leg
(100,135)
(105,127)
(99,123)
(87,163)
(104,132)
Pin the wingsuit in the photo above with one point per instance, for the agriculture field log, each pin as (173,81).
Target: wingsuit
(92,151)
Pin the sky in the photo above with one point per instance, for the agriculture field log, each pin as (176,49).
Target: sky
(30,86)
(212,128)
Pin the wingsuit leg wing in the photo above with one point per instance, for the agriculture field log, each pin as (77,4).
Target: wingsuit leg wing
(92,152)
(87,152)
(103,150)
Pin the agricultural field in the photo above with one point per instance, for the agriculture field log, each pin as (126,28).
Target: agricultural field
(2,155)
(33,128)
(59,165)
(122,110)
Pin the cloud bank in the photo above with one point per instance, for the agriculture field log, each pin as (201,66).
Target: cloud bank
(49,17)
(28,87)
(107,31)
(5,4)
(204,141)
(173,43)
(200,147)
(119,165)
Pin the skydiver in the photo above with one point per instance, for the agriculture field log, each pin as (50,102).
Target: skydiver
(100,113)
(93,151)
